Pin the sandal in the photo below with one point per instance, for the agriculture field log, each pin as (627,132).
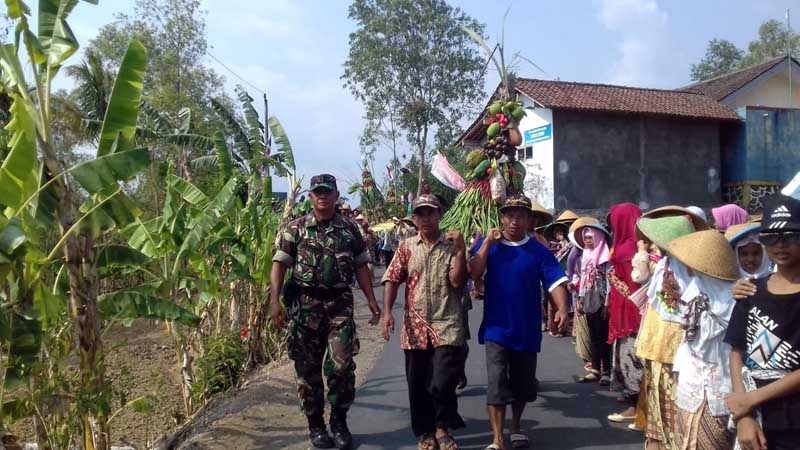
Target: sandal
(447,442)
(492,447)
(590,378)
(588,367)
(519,440)
(427,442)
(605,380)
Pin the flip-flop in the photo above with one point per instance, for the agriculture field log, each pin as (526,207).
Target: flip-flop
(492,447)
(519,440)
(605,380)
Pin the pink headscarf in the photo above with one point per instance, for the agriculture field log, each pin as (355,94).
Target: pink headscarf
(593,257)
(728,215)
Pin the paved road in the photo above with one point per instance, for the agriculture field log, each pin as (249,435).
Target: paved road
(567,415)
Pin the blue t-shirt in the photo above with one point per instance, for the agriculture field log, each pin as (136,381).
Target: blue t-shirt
(512,306)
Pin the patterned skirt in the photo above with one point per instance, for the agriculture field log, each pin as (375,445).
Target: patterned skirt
(581,333)
(656,411)
(702,431)
(626,375)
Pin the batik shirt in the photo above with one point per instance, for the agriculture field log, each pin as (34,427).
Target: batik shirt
(433,311)
(322,254)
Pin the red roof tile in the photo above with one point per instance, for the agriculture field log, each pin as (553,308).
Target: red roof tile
(725,85)
(615,99)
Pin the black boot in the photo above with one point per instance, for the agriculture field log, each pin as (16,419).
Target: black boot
(318,434)
(342,438)
(320,438)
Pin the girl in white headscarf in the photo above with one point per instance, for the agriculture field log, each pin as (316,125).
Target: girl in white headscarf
(750,253)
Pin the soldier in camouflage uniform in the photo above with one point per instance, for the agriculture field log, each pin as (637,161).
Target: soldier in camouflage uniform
(324,250)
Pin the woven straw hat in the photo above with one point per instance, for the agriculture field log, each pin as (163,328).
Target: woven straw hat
(582,222)
(673,210)
(567,216)
(663,230)
(707,252)
(541,214)
(736,232)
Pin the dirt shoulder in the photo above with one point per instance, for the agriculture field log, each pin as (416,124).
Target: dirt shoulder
(264,412)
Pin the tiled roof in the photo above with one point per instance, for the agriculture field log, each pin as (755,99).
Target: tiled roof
(615,99)
(725,85)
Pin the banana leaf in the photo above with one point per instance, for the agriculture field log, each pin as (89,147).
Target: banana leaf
(140,236)
(57,40)
(142,303)
(187,190)
(11,236)
(16,8)
(123,105)
(255,129)
(223,156)
(24,345)
(19,174)
(118,256)
(106,171)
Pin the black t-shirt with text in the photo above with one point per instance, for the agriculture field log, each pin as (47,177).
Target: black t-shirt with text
(766,328)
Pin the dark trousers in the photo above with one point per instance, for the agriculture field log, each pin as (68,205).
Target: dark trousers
(598,338)
(432,377)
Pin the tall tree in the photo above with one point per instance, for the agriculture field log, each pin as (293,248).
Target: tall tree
(774,39)
(722,56)
(414,57)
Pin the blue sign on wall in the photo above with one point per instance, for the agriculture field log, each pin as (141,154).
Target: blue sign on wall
(538,134)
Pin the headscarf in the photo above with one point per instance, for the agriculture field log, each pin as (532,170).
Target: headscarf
(594,257)
(625,315)
(698,211)
(766,265)
(728,215)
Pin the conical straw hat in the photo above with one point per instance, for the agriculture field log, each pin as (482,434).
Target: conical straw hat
(736,232)
(542,215)
(582,222)
(664,230)
(673,210)
(707,252)
(567,216)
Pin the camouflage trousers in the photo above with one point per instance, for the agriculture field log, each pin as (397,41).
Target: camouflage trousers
(323,340)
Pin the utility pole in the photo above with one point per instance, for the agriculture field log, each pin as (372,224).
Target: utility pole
(789,52)
(267,142)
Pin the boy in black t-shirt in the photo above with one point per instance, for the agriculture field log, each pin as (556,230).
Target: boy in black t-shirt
(764,334)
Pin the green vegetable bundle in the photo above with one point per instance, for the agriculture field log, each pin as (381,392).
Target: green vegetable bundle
(472,211)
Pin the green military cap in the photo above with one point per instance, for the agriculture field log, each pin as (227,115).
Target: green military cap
(324,180)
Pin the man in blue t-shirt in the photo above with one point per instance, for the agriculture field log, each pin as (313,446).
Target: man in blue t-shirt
(514,272)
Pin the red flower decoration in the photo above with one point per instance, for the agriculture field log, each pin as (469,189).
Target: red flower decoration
(245,333)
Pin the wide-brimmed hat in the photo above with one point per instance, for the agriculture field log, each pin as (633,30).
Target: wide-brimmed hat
(541,213)
(707,252)
(736,232)
(550,230)
(673,210)
(360,217)
(663,230)
(566,217)
(516,201)
(781,213)
(580,224)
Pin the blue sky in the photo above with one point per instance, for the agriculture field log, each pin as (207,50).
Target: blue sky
(294,50)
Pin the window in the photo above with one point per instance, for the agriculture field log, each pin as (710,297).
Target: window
(524,153)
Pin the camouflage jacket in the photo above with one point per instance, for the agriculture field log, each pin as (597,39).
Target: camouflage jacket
(323,255)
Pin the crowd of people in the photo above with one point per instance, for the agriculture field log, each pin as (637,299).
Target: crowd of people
(694,322)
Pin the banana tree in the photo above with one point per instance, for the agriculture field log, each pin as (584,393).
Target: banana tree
(81,203)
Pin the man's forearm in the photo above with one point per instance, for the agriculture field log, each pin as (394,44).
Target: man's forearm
(477,265)
(560,297)
(364,278)
(276,282)
(389,296)
(790,384)
(458,274)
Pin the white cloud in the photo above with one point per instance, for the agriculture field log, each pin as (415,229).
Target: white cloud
(647,56)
